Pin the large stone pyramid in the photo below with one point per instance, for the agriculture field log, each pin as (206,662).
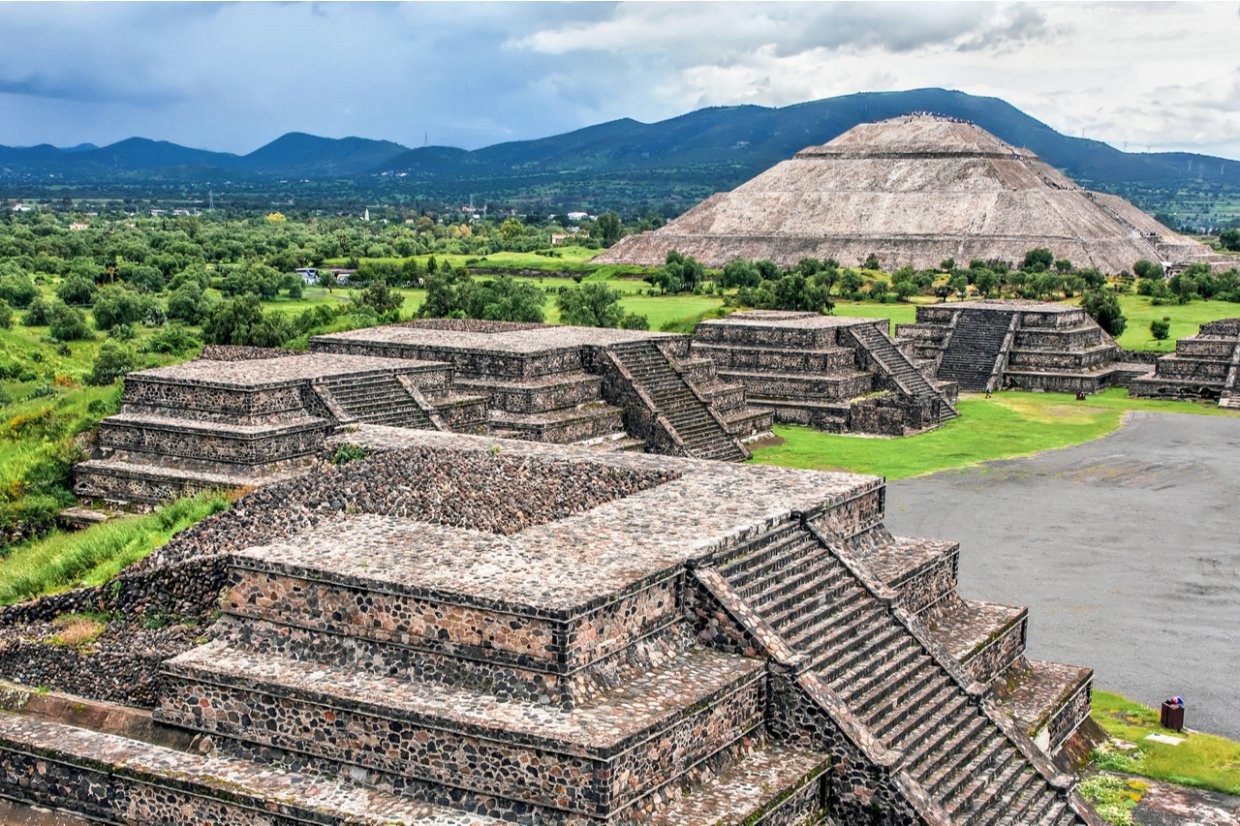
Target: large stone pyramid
(913,190)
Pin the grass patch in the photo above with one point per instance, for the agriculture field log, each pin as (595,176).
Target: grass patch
(1005,426)
(78,630)
(62,560)
(1113,797)
(1203,760)
(1185,320)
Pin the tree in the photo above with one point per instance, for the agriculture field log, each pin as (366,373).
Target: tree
(1038,259)
(608,228)
(1160,329)
(680,273)
(6,315)
(17,289)
(113,361)
(590,305)
(241,321)
(77,290)
(986,281)
(871,262)
(1145,268)
(188,303)
(66,323)
(511,230)
(454,294)
(1229,239)
(119,305)
(1063,266)
(378,296)
(740,273)
(1103,307)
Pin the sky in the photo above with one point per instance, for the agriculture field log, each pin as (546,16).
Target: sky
(234,76)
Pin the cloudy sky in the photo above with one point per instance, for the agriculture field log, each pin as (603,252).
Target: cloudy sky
(234,76)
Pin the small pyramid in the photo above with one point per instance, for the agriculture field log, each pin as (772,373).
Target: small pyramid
(913,190)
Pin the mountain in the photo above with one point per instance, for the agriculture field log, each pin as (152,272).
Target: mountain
(749,139)
(622,164)
(309,156)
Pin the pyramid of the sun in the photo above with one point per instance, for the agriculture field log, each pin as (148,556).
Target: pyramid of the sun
(913,190)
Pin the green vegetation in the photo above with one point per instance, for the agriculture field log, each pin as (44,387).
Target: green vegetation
(1202,760)
(1113,797)
(61,561)
(1184,319)
(1002,427)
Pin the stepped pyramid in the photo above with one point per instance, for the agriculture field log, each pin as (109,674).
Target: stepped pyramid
(833,373)
(913,190)
(463,630)
(1205,366)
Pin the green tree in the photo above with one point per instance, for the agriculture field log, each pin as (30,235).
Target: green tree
(6,315)
(17,289)
(241,321)
(113,362)
(590,305)
(380,298)
(76,290)
(740,273)
(38,313)
(1230,239)
(608,228)
(188,303)
(985,280)
(119,305)
(1144,268)
(1103,307)
(67,323)
(1160,329)
(511,230)
(1038,259)
(1063,266)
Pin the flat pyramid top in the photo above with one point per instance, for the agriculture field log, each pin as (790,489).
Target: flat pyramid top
(916,135)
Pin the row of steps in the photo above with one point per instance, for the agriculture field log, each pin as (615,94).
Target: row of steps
(898,365)
(890,681)
(703,435)
(378,398)
(974,345)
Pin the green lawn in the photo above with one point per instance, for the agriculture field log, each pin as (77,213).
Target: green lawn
(1202,760)
(1005,426)
(61,560)
(1185,319)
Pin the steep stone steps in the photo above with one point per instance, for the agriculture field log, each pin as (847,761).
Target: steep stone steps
(984,637)
(893,684)
(704,436)
(895,363)
(112,779)
(973,348)
(376,399)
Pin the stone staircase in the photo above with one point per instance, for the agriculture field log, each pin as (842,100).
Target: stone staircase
(908,697)
(380,398)
(970,353)
(892,361)
(688,415)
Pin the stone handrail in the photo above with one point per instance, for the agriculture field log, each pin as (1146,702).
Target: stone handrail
(325,397)
(889,370)
(1233,373)
(995,382)
(421,401)
(947,340)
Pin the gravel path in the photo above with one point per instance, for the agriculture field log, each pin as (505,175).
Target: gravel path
(1125,549)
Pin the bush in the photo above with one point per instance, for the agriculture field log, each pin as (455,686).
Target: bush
(1103,307)
(119,305)
(38,314)
(241,321)
(188,303)
(1161,330)
(77,290)
(6,316)
(17,290)
(173,339)
(68,324)
(113,362)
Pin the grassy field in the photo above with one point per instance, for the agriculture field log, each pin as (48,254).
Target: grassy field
(1202,760)
(61,561)
(1003,427)
(1185,319)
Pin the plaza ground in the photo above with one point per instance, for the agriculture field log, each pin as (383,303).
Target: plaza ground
(1124,548)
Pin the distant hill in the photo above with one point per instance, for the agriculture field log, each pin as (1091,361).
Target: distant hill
(625,164)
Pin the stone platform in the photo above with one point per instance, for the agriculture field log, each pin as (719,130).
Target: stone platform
(1203,366)
(210,423)
(1026,345)
(833,373)
(460,626)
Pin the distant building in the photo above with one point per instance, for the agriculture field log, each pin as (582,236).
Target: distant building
(308,274)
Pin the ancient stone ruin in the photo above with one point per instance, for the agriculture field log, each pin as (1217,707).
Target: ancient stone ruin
(833,373)
(913,190)
(241,417)
(1205,366)
(464,630)
(1015,344)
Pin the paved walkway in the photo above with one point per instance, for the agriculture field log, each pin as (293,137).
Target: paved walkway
(1125,549)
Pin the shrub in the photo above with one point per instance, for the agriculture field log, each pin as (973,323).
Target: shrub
(174,338)
(1161,330)
(67,324)
(77,290)
(17,290)
(1103,307)
(38,314)
(6,315)
(119,305)
(188,303)
(113,362)
(241,321)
